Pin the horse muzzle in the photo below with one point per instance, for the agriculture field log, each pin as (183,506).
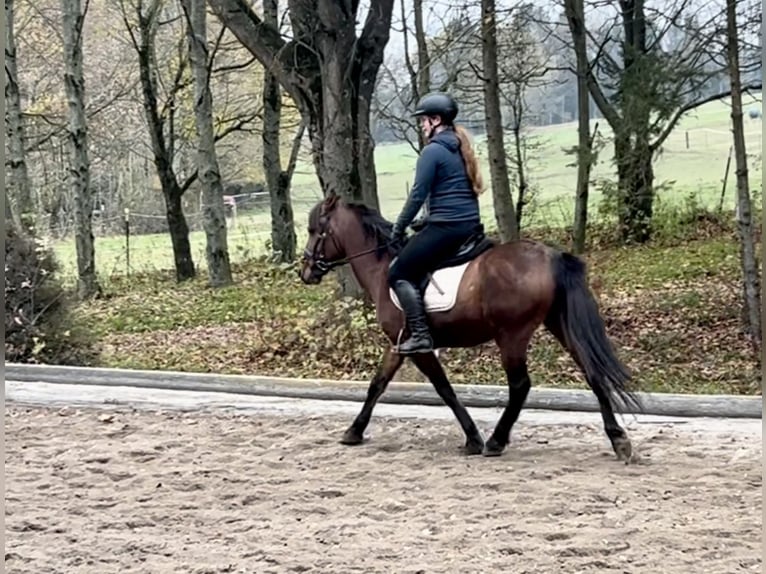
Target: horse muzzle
(313,271)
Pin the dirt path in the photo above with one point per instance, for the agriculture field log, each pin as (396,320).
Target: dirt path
(89,490)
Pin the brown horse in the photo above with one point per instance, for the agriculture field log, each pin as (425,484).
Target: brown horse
(505,294)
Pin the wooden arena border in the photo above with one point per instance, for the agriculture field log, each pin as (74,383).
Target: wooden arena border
(723,406)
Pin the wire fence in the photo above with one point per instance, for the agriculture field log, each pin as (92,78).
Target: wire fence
(137,242)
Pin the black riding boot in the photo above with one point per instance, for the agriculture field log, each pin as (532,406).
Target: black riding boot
(414,309)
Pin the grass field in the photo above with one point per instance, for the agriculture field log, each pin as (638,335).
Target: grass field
(698,170)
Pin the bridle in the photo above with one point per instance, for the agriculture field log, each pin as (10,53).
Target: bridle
(317,257)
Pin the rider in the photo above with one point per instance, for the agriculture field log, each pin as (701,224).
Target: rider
(447,184)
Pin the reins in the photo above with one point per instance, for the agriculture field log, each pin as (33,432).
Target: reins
(325,266)
(318,257)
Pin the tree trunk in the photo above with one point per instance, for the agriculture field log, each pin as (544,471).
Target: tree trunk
(208,172)
(423,81)
(501,188)
(367,177)
(179,232)
(77,136)
(576,16)
(750,277)
(283,238)
(18,181)
(521,175)
(635,184)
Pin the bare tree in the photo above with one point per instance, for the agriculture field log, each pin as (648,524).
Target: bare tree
(507,224)
(749,261)
(162,126)
(334,97)
(575,13)
(79,164)
(278,181)
(524,69)
(420,77)
(330,74)
(405,79)
(18,182)
(213,215)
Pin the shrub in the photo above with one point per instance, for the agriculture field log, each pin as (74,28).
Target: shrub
(39,326)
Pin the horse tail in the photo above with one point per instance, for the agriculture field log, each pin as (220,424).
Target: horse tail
(576,321)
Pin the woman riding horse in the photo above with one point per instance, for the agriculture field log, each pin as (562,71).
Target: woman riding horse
(447,184)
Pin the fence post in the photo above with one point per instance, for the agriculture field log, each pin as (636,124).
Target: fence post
(127,241)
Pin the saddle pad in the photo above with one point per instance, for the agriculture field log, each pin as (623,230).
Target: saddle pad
(448,280)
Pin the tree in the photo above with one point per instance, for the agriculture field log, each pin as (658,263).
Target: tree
(209,175)
(406,78)
(77,136)
(283,240)
(14,127)
(744,212)
(507,224)
(160,120)
(330,74)
(575,13)
(653,82)
(524,69)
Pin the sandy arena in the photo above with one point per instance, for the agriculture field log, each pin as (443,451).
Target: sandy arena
(119,490)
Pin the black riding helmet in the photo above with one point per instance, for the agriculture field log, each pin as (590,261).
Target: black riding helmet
(437,104)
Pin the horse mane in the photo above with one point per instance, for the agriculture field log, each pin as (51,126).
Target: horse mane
(375,226)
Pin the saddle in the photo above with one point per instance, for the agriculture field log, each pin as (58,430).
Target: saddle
(439,288)
(471,248)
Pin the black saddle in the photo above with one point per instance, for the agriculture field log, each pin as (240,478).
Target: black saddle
(471,248)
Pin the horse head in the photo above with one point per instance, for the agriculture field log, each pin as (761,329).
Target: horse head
(339,233)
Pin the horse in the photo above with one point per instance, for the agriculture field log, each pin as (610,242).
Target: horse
(501,292)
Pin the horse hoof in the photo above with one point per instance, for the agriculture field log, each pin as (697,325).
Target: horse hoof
(623,449)
(473,447)
(493,448)
(351,437)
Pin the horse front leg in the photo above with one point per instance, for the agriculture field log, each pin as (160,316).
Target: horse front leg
(387,368)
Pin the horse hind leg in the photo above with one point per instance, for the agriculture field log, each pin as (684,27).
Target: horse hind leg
(617,435)
(513,353)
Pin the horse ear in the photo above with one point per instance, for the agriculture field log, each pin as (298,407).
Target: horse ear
(330,201)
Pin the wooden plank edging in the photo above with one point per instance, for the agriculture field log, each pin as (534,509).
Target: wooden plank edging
(728,406)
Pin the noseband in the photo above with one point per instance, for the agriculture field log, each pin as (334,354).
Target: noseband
(317,256)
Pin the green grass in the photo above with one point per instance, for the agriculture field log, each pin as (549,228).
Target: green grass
(698,171)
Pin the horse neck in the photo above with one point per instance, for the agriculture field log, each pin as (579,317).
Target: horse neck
(370,271)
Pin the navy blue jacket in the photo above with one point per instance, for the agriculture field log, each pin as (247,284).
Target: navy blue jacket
(442,184)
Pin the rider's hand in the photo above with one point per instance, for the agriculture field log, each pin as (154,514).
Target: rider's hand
(418,224)
(397,234)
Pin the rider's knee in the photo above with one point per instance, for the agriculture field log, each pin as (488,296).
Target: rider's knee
(395,273)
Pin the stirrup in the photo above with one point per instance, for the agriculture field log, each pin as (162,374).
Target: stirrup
(426,339)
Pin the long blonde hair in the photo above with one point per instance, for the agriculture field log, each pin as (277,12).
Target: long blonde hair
(470,159)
